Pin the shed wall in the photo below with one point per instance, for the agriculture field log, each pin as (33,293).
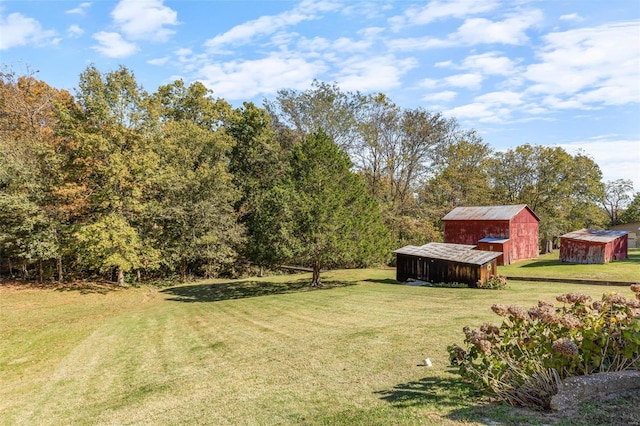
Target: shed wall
(437,270)
(504,248)
(619,248)
(576,251)
(589,252)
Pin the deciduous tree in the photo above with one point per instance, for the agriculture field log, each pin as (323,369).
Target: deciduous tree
(190,216)
(558,187)
(617,195)
(632,212)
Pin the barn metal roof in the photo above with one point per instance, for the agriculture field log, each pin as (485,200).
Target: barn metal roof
(493,240)
(460,253)
(487,212)
(594,235)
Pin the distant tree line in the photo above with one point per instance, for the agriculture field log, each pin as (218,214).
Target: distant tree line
(118,183)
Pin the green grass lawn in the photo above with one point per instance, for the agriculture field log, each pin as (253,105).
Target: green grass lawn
(249,352)
(548,266)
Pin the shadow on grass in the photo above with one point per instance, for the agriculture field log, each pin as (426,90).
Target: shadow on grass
(545,264)
(86,287)
(384,281)
(461,400)
(81,287)
(633,258)
(444,393)
(243,289)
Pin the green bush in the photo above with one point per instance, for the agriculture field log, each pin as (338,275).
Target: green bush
(523,360)
(496,282)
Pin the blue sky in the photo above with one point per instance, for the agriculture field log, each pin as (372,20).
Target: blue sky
(555,72)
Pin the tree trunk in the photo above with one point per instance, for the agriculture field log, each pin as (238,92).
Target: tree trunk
(40,271)
(183,270)
(120,276)
(59,267)
(316,275)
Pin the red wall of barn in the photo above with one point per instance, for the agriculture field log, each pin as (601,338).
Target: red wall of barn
(581,251)
(620,247)
(524,236)
(470,231)
(522,231)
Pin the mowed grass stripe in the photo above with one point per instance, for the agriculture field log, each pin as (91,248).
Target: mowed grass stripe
(343,355)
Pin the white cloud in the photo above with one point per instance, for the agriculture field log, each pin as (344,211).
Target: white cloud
(344,44)
(492,107)
(571,17)
(428,83)
(475,31)
(554,102)
(468,80)
(617,158)
(20,30)
(159,61)
(144,19)
(80,10)
(75,31)
(511,31)
(490,63)
(376,73)
(445,96)
(314,46)
(267,25)
(500,98)
(436,10)
(245,79)
(480,112)
(419,43)
(444,64)
(113,45)
(593,65)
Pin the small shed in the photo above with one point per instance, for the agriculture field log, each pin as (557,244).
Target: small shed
(442,262)
(593,246)
(516,225)
(501,245)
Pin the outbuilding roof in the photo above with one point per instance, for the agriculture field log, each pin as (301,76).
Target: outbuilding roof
(460,253)
(493,240)
(594,235)
(487,212)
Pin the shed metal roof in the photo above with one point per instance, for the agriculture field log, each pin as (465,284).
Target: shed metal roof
(594,235)
(487,212)
(460,253)
(493,240)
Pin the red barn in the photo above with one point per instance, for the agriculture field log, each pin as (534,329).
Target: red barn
(512,230)
(593,246)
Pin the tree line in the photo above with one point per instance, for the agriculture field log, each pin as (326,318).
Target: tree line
(123,184)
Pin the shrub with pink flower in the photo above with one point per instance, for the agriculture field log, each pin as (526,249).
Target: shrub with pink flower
(523,360)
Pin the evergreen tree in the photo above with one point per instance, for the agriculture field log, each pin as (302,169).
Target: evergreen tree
(324,216)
